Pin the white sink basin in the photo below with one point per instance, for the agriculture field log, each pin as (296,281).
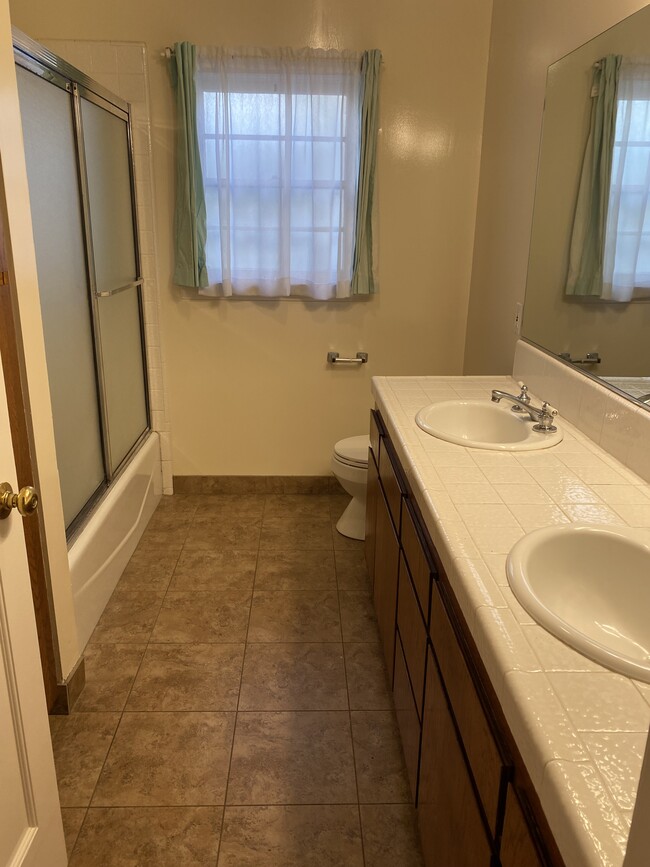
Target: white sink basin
(481,424)
(590,586)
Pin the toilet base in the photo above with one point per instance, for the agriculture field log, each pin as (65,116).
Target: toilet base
(352,522)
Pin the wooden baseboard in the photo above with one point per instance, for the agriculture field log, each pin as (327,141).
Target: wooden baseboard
(256,485)
(69,691)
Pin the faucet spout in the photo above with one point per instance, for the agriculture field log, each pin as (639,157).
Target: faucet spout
(542,416)
(498,395)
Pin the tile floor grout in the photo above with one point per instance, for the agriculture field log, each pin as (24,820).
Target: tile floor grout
(350,586)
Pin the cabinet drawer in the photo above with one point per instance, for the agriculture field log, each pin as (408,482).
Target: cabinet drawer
(372,492)
(375,434)
(385,584)
(413,633)
(407,718)
(416,559)
(482,751)
(518,848)
(390,484)
(451,828)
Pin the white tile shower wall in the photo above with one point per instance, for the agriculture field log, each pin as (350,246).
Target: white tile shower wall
(122,68)
(614,423)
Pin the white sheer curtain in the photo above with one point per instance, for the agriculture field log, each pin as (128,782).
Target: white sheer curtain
(626,268)
(279,141)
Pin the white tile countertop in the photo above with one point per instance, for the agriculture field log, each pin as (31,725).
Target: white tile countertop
(581,729)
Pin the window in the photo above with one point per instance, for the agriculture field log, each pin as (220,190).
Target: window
(286,144)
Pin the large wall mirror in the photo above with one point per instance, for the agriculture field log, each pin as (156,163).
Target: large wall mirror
(588,286)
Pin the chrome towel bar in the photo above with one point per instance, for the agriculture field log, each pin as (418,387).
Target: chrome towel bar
(335,358)
(590,358)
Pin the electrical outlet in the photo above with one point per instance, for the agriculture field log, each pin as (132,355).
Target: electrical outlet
(519,312)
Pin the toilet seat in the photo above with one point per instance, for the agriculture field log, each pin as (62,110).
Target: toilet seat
(353,451)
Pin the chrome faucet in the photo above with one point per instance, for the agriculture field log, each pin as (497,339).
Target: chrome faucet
(522,397)
(542,416)
(644,398)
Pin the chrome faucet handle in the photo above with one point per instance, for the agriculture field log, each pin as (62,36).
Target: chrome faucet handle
(522,397)
(546,416)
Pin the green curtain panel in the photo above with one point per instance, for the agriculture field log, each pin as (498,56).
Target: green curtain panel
(363,280)
(585,274)
(190,227)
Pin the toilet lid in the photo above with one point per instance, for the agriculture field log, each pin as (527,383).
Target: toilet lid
(353,451)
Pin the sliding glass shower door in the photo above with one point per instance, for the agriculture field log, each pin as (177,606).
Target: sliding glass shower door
(79,167)
(48,130)
(117,288)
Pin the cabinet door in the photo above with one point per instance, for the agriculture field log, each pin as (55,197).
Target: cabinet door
(371,514)
(385,586)
(390,483)
(481,748)
(375,434)
(407,717)
(412,631)
(451,828)
(421,572)
(517,846)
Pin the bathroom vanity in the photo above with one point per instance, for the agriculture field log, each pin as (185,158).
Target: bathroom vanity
(519,751)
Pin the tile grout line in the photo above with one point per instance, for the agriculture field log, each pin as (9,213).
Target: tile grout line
(241,678)
(121,713)
(247,643)
(347,690)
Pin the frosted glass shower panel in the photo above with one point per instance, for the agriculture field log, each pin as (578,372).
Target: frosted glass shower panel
(48,131)
(124,383)
(106,148)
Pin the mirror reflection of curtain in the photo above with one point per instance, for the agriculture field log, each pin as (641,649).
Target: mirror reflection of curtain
(585,274)
(626,269)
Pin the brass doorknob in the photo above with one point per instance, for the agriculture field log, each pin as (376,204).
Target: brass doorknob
(26,500)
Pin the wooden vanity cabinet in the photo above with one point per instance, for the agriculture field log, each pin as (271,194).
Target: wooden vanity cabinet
(518,845)
(476,804)
(384,586)
(449,816)
(372,492)
(408,719)
(413,632)
(484,754)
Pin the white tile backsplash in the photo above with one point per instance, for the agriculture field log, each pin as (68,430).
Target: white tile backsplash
(620,427)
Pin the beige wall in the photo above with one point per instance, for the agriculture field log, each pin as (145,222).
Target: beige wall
(249,389)
(527,36)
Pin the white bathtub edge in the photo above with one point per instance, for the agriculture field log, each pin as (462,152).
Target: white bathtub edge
(99,555)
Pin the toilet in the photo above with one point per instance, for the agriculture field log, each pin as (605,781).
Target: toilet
(350,466)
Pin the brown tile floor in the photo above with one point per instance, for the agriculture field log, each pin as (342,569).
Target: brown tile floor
(236,709)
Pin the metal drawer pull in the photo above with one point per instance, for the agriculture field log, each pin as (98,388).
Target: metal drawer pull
(335,358)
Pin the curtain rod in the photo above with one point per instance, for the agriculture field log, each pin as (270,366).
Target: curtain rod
(168,53)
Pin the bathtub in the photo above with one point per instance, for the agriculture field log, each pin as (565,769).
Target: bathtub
(100,553)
